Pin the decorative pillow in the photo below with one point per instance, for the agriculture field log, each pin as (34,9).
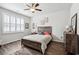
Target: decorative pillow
(46,33)
(40,33)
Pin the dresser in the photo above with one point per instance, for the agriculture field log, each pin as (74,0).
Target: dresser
(70,43)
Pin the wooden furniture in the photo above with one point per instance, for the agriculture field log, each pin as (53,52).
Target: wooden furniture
(31,44)
(71,38)
(77,52)
(0,45)
(70,42)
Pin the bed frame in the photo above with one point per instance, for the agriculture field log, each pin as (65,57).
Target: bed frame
(36,45)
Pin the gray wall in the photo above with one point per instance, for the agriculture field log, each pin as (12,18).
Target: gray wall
(58,20)
(10,37)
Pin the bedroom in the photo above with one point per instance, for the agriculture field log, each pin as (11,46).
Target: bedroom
(16,24)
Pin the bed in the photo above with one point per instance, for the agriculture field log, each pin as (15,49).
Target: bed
(38,41)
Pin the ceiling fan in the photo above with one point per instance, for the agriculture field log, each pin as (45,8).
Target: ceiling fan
(33,7)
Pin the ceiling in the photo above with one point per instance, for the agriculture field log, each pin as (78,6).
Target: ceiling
(46,8)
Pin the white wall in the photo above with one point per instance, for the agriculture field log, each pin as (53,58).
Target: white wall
(0,28)
(58,21)
(75,9)
(6,38)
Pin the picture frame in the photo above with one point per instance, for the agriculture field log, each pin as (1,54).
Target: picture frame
(33,25)
(74,23)
(26,25)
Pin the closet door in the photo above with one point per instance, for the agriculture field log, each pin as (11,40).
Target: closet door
(78,34)
(78,24)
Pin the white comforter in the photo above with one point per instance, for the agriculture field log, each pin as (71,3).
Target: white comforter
(43,39)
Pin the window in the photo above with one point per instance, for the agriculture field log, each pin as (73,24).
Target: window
(22,25)
(18,24)
(12,24)
(6,23)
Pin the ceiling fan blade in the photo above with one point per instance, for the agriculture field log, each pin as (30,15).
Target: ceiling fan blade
(28,5)
(26,9)
(33,4)
(36,4)
(38,9)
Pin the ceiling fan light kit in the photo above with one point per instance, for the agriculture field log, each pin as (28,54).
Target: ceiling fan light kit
(33,8)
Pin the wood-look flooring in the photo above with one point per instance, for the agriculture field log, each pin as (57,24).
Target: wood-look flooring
(15,48)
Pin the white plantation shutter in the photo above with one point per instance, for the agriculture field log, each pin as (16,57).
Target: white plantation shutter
(18,24)
(22,24)
(12,24)
(6,24)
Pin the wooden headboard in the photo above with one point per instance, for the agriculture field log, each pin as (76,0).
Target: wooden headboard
(45,29)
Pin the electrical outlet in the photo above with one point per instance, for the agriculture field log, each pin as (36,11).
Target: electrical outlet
(61,37)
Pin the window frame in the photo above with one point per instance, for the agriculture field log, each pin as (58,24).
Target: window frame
(5,32)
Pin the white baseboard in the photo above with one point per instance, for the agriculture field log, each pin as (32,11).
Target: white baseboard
(59,41)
